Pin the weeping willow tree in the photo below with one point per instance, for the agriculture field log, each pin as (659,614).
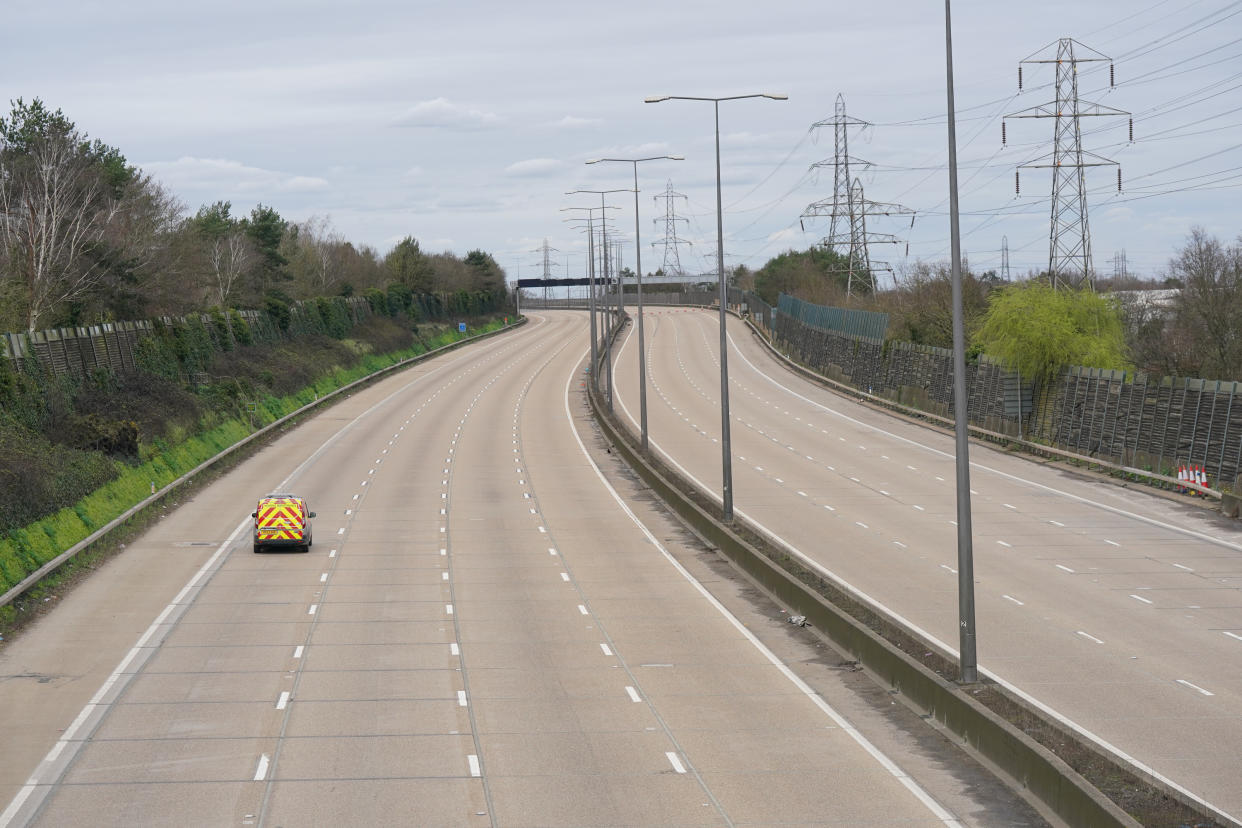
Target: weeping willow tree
(1036,330)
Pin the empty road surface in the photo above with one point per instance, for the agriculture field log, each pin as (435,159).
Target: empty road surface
(482,634)
(1117,608)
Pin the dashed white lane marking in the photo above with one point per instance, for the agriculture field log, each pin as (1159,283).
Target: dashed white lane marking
(1188,569)
(606,650)
(551,551)
(860,523)
(949,568)
(829,508)
(444,576)
(313,609)
(582,609)
(1006,545)
(1195,687)
(893,769)
(323,577)
(632,693)
(1234,635)
(675,761)
(461,698)
(260,773)
(543,530)
(1111,543)
(802,493)
(900,544)
(454,649)
(297,651)
(331,553)
(564,576)
(1057,523)
(920,508)
(1089,637)
(448,609)
(474,764)
(1141,598)
(283,701)
(1065,568)
(341,531)
(1015,600)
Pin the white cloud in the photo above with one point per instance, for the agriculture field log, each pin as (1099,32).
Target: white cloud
(226,176)
(534,167)
(574,122)
(441,113)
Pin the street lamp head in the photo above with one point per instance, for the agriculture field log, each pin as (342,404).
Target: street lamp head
(655,98)
(777,97)
(675,157)
(594,160)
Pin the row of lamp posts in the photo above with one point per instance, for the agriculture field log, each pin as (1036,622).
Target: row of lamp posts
(967,658)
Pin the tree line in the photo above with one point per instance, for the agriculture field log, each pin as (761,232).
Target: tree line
(85,237)
(1187,321)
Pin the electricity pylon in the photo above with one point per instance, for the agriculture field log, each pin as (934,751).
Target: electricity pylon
(1005,258)
(1069,247)
(842,184)
(548,264)
(860,269)
(848,207)
(671,241)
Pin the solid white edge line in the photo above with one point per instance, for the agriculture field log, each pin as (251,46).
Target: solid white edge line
(1081,499)
(909,783)
(850,588)
(67,736)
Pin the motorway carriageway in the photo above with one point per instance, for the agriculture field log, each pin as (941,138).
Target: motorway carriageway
(1117,609)
(484,633)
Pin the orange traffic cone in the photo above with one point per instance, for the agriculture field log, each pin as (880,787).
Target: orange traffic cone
(1181,477)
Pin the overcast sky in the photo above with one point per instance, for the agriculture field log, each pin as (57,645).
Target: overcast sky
(464,123)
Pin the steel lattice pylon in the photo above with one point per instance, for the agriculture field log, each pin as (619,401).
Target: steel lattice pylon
(1069,247)
(842,212)
(848,207)
(671,265)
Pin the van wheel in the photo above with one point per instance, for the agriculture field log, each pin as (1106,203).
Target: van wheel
(257,549)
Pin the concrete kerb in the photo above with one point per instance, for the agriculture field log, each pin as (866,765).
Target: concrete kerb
(49,567)
(1028,763)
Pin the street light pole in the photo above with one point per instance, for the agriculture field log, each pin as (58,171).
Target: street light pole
(604,258)
(969,666)
(638,265)
(726,454)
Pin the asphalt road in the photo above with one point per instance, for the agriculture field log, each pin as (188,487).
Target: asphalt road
(483,634)
(1118,609)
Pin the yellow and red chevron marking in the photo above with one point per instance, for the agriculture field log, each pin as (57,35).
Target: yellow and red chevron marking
(280,520)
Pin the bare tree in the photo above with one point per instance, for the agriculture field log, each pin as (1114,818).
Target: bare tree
(54,207)
(230,256)
(1208,311)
